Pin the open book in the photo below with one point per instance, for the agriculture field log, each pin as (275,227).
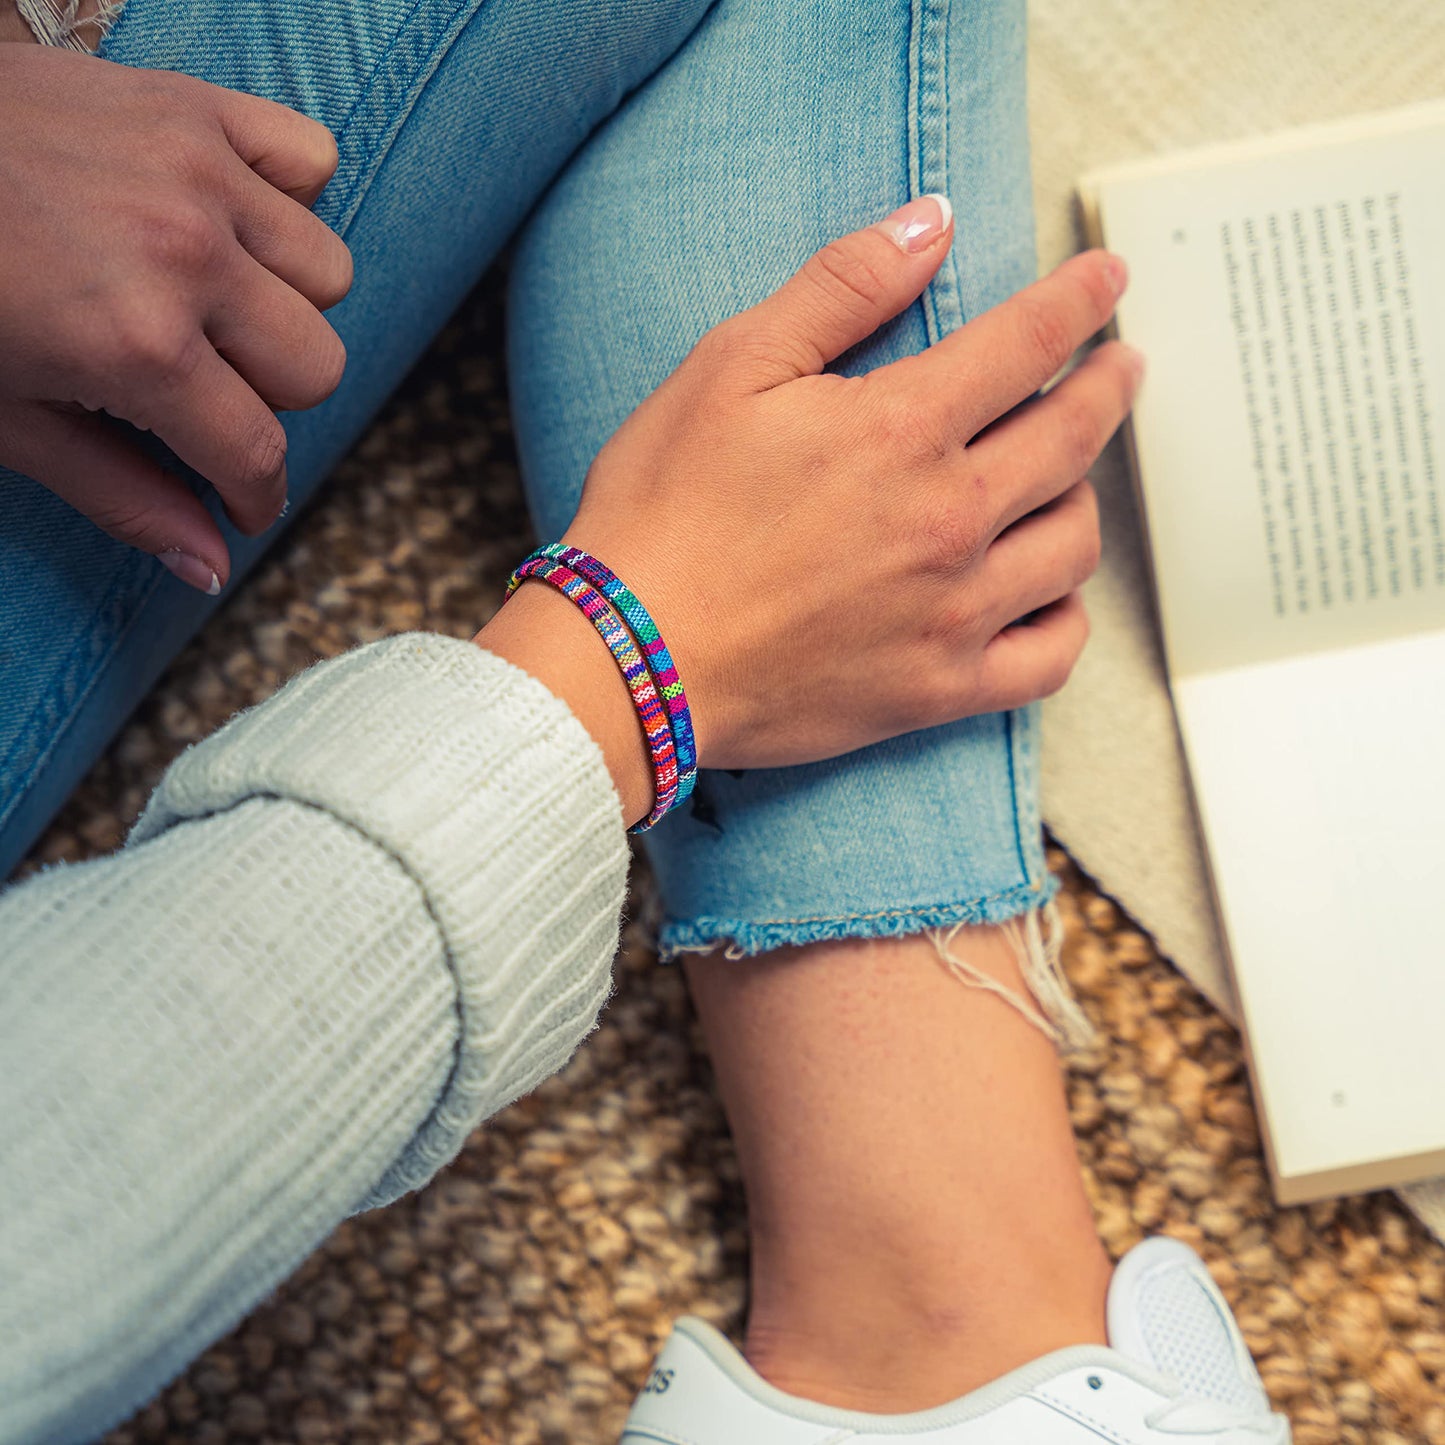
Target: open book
(1289,445)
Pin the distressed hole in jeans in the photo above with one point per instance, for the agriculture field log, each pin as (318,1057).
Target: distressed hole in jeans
(70,24)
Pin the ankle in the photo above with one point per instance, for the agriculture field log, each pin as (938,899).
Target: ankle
(888,1347)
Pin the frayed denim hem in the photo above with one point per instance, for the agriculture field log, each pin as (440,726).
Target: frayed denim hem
(59,23)
(1027,916)
(746,940)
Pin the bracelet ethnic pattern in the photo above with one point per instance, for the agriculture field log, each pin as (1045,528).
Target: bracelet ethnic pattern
(647,666)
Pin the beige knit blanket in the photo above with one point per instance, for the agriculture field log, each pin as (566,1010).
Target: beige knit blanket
(1112,80)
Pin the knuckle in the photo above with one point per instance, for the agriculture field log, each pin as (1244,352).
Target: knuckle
(300,147)
(190,151)
(1085,543)
(260,458)
(1094,286)
(1056,671)
(1126,381)
(343,272)
(325,155)
(1080,433)
(947,534)
(1047,333)
(162,97)
(1091,553)
(716,349)
(327,366)
(721,348)
(158,345)
(332,366)
(180,239)
(731,348)
(1069,648)
(947,625)
(130,522)
(846,275)
(909,433)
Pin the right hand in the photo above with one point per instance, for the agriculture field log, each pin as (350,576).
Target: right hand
(159,262)
(833,561)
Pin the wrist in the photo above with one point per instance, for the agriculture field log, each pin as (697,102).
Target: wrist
(547,636)
(678,610)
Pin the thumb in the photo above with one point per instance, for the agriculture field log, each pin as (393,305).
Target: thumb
(842,294)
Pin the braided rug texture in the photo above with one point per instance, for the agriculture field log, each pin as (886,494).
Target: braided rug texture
(520,1298)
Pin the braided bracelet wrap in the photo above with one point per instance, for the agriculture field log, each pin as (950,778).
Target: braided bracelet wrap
(653,648)
(650,710)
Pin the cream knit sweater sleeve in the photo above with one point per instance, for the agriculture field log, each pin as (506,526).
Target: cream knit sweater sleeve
(353,924)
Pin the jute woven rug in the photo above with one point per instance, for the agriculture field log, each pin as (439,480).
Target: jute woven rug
(520,1298)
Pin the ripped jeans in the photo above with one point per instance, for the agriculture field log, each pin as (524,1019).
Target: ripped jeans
(660,165)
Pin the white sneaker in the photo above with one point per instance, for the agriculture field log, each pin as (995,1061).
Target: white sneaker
(1178,1373)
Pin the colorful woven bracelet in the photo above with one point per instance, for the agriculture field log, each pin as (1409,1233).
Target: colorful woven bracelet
(650,710)
(654,649)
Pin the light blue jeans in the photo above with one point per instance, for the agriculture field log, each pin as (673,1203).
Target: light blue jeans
(661,164)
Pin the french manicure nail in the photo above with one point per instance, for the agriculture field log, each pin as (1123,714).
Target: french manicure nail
(192,571)
(916,226)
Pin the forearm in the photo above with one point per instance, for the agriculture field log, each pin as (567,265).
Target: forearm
(182,1124)
(352,925)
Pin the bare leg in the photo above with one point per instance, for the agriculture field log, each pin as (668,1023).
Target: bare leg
(919,1224)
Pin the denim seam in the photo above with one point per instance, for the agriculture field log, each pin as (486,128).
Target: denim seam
(928,138)
(1021,727)
(84,664)
(425,45)
(928,131)
(401,79)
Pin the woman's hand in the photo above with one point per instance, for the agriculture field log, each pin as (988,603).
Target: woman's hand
(833,561)
(158,261)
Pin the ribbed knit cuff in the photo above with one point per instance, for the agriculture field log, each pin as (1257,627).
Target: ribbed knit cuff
(494,798)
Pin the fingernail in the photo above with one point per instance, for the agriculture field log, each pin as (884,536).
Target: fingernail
(1118,272)
(1134,359)
(916,226)
(192,571)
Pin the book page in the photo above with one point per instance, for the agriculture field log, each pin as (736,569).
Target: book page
(1320,792)
(1290,433)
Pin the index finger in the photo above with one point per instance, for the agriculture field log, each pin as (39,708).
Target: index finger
(294,153)
(1001,358)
